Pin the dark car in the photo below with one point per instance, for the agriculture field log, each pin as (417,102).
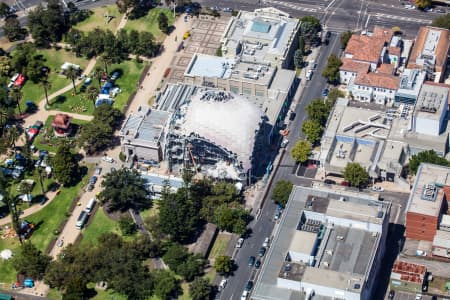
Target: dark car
(258,264)
(292,116)
(93,179)
(251,261)
(329,181)
(262,251)
(325,92)
(90,187)
(391,294)
(249,286)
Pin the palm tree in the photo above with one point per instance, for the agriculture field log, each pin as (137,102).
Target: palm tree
(92,94)
(41,172)
(13,135)
(46,85)
(72,74)
(14,214)
(17,95)
(106,60)
(98,73)
(4,116)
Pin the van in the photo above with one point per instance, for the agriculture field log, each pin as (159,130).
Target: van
(82,218)
(90,205)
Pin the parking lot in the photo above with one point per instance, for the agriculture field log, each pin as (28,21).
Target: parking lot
(204,38)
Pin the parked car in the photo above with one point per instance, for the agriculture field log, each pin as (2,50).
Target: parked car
(108,159)
(266,242)
(284,143)
(93,179)
(98,171)
(248,286)
(227,9)
(309,74)
(115,75)
(292,116)
(262,251)
(258,264)
(329,181)
(251,261)
(239,243)
(325,92)
(222,284)
(90,187)
(377,188)
(391,294)
(277,215)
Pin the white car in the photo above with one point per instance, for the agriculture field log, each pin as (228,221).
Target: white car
(418,296)
(309,74)
(377,188)
(222,284)
(284,143)
(244,295)
(239,243)
(266,242)
(108,159)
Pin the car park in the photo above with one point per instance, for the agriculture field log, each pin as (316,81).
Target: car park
(262,251)
(239,242)
(251,261)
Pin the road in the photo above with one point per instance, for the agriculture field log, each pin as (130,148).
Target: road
(262,227)
(342,15)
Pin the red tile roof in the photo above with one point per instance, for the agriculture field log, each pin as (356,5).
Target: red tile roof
(386,69)
(61,121)
(350,65)
(368,48)
(378,80)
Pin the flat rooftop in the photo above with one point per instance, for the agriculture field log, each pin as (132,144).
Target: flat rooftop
(203,65)
(343,256)
(303,242)
(431,101)
(145,126)
(427,194)
(264,32)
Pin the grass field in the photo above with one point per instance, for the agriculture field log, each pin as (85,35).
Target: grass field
(97,19)
(54,60)
(47,141)
(150,22)
(220,245)
(130,72)
(99,225)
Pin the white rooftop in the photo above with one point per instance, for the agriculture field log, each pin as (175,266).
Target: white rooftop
(231,122)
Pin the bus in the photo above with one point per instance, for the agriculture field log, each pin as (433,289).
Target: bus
(90,205)
(82,218)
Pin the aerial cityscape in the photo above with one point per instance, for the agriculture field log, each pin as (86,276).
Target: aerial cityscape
(226,150)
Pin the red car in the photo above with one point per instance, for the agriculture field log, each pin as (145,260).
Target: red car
(20,80)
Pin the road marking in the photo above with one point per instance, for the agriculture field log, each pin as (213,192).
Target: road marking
(291,5)
(331,3)
(408,19)
(367,22)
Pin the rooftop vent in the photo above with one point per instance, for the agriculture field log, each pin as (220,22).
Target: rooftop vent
(429,192)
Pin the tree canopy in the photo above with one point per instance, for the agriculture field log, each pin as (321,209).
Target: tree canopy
(200,289)
(313,131)
(30,261)
(355,174)
(309,27)
(344,37)
(232,219)
(65,165)
(301,151)
(426,157)
(13,30)
(442,22)
(331,71)
(281,192)
(124,189)
(223,264)
(422,4)
(318,110)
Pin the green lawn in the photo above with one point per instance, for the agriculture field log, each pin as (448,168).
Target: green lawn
(150,22)
(220,245)
(54,60)
(7,272)
(97,19)
(99,225)
(130,72)
(151,211)
(46,140)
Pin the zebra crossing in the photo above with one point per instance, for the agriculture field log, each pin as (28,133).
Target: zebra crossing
(291,5)
(407,19)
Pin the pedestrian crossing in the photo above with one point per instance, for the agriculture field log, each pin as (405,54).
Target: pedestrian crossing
(291,5)
(400,18)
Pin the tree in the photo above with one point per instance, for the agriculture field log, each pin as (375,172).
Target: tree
(298,58)
(281,192)
(166,286)
(422,4)
(17,95)
(301,45)
(92,94)
(13,30)
(46,85)
(318,110)
(355,174)
(5,65)
(30,261)
(301,151)
(309,27)
(5,10)
(106,61)
(200,289)
(175,255)
(331,71)
(223,264)
(127,225)
(98,74)
(125,189)
(313,131)
(72,74)
(178,216)
(429,156)
(333,95)
(344,37)
(13,135)
(192,268)
(163,23)
(442,22)
(231,219)
(65,165)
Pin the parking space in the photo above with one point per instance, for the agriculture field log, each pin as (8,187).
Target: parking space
(204,38)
